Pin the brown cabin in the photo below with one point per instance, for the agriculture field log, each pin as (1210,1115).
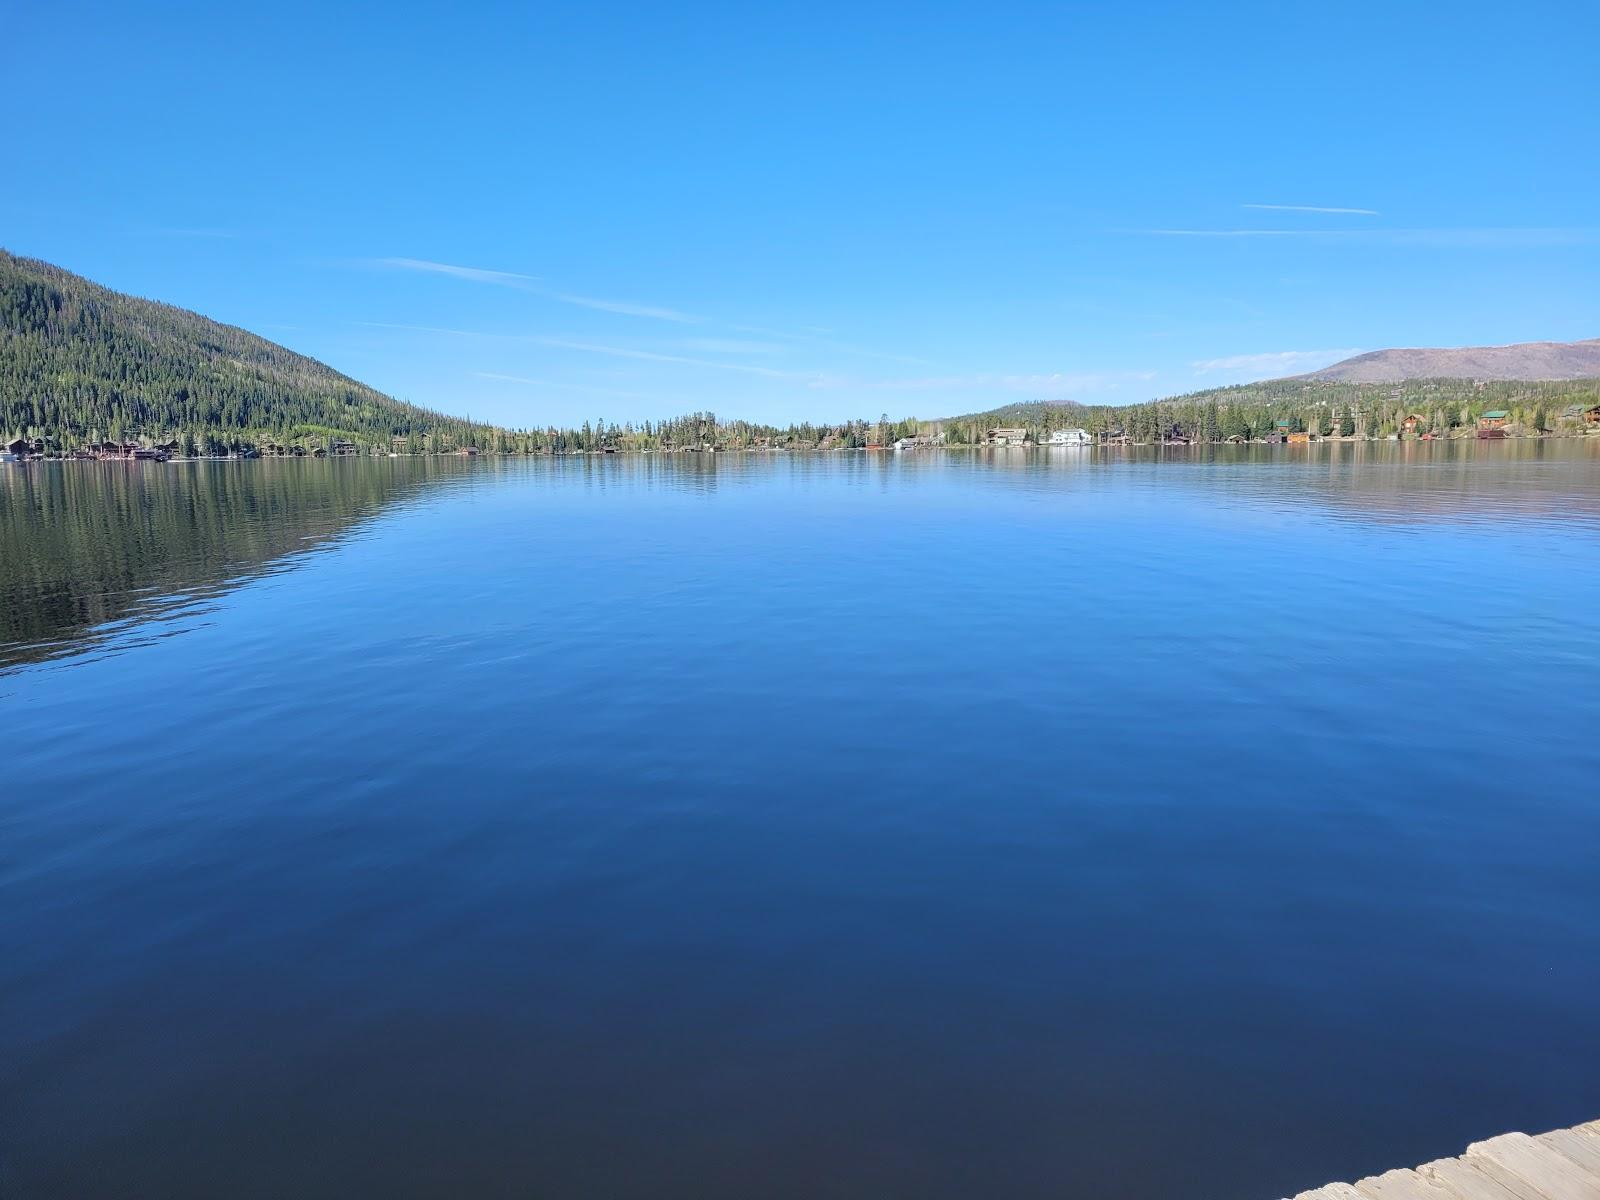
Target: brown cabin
(21,447)
(1495,418)
(1410,423)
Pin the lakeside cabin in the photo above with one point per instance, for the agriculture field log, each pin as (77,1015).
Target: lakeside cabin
(109,451)
(1006,437)
(1495,418)
(1070,437)
(128,452)
(1410,423)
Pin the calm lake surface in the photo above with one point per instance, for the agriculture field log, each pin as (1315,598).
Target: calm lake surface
(990,824)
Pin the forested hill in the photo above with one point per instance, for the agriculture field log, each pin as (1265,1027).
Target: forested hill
(1250,410)
(80,362)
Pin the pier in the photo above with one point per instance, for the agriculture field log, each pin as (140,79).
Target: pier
(1563,1164)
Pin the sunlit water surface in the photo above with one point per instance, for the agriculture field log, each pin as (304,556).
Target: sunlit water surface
(985,824)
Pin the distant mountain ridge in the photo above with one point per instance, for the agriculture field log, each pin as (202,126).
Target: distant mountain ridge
(1530,361)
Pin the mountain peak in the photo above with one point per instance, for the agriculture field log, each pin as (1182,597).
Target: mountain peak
(1521,361)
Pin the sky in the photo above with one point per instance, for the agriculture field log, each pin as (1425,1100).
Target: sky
(547,213)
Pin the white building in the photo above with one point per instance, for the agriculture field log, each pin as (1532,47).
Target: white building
(1070,437)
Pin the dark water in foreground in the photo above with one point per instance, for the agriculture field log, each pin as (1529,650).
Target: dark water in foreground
(984,825)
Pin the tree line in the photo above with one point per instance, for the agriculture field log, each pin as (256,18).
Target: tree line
(1329,409)
(81,365)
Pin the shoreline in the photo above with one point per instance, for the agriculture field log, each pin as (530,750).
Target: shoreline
(682,451)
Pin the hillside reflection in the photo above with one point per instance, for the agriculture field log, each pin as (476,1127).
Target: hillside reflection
(91,554)
(88,548)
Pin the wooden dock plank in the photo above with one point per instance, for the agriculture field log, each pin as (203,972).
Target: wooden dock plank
(1518,1156)
(1401,1185)
(1563,1164)
(1462,1178)
(1582,1148)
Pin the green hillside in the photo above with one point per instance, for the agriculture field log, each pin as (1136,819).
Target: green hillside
(1444,406)
(80,362)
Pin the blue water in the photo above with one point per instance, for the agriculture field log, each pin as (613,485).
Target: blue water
(985,824)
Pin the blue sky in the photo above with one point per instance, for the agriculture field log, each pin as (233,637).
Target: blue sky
(546,213)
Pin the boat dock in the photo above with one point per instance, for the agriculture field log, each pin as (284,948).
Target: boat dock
(1561,1165)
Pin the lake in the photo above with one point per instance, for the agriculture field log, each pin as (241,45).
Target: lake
(1012,824)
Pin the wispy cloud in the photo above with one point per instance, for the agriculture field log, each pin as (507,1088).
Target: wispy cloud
(815,336)
(1497,239)
(653,356)
(626,307)
(1276,362)
(1313,208)
(476,333)
(1506,238)
(1056,382)
(1253,233)
(704,345)
(531,283)
(476,274)
(195,233)
(569,387)
(715,345)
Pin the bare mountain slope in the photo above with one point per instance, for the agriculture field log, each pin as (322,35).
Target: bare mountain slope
(1526,360)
